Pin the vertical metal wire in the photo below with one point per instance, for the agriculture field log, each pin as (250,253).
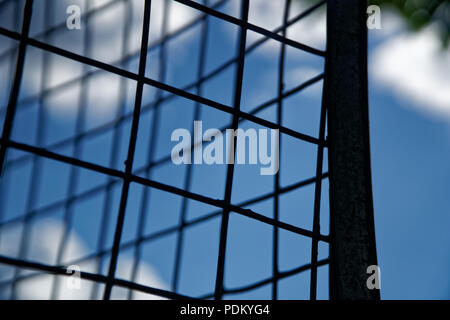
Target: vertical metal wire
(230,170)
(317,198)
(14,95)
(11,55)
(154,126)
(77,149)
(115,146)
(131,151)
(352,232)
(189,170)
(276,199)
(35,174)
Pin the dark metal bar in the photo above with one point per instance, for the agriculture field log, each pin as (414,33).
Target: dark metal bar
(189,170)
(37,161)
(193,222)
(108,5)
(62,271)
(276,199)
(280,275)
(252,27)
(92,191)
(26,101)
(11,56)
(101,129)
(12,104)
(207,217)
(159,85)
(261,283)
(168,188)
(131,151)
(317,198)
(97,278)
(77,150)
(154,126)
(115,148)
(352,233)
(230,169)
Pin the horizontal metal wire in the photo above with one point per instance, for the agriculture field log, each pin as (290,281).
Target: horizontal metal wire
(252,27)
(63,271)
(160,186)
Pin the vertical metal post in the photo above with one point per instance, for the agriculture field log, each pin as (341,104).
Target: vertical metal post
(352,233)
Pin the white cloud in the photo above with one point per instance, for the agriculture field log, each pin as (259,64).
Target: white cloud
(412,65)
(107,34)
(415,68)
(391,24)
(269,15)
(43,248)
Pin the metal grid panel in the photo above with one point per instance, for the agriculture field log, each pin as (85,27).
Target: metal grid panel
(122,179)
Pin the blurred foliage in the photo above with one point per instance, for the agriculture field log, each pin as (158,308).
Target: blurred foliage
(420,13)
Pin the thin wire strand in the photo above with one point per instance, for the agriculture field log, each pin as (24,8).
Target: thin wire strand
(189,170)
(276,199)
(162,161)
(115,149)
(164,187)
(154,127)
(77,150)
(317,200)
(131,151)
(14,95)
(248,26)
(190,223)
(230,169)
(7,128)
(11,56)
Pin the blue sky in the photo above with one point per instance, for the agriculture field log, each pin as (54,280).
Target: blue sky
(410,136)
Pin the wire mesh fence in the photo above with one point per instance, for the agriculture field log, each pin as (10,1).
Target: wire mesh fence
(85,151)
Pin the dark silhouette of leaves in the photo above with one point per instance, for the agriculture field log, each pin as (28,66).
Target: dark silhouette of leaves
(420,13)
